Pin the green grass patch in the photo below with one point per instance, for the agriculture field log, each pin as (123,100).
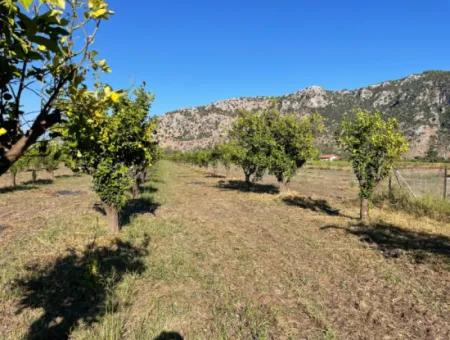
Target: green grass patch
(430,206)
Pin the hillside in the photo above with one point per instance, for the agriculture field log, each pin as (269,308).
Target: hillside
(420,102)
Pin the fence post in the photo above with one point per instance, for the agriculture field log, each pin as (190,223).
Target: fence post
(390,185)
(445,181)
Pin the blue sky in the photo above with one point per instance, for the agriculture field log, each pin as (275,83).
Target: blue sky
(195,52)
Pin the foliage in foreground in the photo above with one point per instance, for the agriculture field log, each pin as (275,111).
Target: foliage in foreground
(45,52)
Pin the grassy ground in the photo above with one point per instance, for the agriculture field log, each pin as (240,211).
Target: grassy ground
(201,257)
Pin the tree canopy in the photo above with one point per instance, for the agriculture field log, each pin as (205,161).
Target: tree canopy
(269,141)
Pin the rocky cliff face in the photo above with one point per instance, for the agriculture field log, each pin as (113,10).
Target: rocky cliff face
(421,103)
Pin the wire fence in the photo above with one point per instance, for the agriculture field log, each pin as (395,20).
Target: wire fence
(422,182)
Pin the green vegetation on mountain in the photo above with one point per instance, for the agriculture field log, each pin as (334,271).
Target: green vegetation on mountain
(420,103)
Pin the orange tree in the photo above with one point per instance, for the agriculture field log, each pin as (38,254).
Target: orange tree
(253,144)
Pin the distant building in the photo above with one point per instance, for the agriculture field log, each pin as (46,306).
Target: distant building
(329,157)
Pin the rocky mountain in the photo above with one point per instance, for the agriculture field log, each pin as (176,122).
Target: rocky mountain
(420,102)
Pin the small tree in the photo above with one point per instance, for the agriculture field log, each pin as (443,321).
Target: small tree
(226,154)
(50,157)
(294,143)
(373,144)
(254,143)
(17,167)
(33,161)
(93,136)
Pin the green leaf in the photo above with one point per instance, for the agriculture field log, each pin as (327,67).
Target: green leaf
(47,43)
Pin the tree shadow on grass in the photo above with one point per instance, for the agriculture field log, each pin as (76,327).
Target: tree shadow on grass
(392,241)
(169,336)
(149,189)
(213,175)
(244,187)
(19,187)
(316,205)
(132,208)
(67,176)
(74,288)
(137,206)
(39,182)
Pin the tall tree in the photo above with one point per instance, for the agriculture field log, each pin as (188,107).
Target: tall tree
(45,50)
(373,145)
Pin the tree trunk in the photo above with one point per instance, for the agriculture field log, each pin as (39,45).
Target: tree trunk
(283,187)
(112,215)
(136,188)
(364,211)
(13,179)
(248,183)
(33,176)
(40,126)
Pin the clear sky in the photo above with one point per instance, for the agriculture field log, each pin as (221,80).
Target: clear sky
(194,52)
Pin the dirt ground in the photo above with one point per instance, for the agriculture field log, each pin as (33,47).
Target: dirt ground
(202,257)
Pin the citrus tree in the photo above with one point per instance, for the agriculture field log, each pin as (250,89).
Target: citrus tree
(253,143)
(106,139)
(226,154)
(137,134)
(373,145)
(50,157)
(45,51)
(16,168)
(294,140)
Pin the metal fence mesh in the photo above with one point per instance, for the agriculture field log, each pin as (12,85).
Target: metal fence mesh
(420,182)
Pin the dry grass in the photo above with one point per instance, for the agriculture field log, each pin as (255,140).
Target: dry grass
(214,261)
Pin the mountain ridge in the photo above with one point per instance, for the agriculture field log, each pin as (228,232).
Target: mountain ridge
(420,102)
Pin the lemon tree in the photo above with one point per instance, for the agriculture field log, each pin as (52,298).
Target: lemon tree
(45,52)
(108,134)
(373,145)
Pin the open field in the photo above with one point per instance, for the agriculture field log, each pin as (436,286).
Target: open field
(201,257)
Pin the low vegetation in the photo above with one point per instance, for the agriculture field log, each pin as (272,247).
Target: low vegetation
(431,206)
